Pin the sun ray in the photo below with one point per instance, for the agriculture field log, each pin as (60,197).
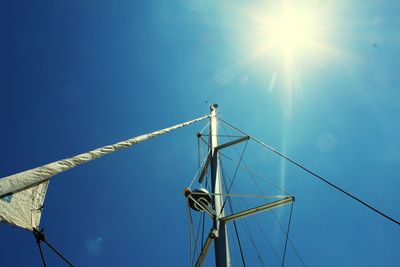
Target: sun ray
(283,39)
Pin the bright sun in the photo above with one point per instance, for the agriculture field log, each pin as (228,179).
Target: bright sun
(283,39)
(291,31)
(288,36)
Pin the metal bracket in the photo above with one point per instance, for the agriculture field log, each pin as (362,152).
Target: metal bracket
(258,209)
(207,209)
(212,235)
(234,142)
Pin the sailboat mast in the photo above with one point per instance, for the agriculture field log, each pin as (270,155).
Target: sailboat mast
(222,256)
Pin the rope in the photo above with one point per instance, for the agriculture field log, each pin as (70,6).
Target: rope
(39,236)
(316,175)
(58,253)
(287,235)
(41,253)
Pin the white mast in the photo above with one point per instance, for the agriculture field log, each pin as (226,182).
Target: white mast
(222,256)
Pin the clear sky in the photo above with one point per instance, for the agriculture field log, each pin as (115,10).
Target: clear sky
(318,80)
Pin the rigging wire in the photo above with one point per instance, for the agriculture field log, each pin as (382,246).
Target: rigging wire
(252,173)
(202,229)
(279,222)
(273,213)
(195,237)
(261,230)
(259,227)
(40,237)
(316,175)
(207,124)
(194,178)
(261,262)
(249,171)
(41,253)
(196,175)
(190,233)
(246,167)
(208,151)
(58,253)
(290,241)
(206,182)
(287,235)
(198,153)
(234,176)
(204,141)
(198,232)
(238,239)
(277,219)
(231,210)
(262,178)
(202,220)
(280,225)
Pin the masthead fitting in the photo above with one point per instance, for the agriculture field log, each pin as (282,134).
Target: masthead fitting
(213,106)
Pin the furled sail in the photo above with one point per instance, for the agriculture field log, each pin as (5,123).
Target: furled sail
(22,194)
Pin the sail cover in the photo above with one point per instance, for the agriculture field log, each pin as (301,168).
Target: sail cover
(22,194)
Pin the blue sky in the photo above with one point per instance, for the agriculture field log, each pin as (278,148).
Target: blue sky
(77,75)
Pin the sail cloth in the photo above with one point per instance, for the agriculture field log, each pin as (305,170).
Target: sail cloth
(24,208)
(22,194)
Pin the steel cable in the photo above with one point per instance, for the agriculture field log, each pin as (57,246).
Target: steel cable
(316,175)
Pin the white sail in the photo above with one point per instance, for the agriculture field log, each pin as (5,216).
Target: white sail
(22,194)
(24,208)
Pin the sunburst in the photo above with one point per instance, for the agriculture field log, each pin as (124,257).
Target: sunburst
(284,38)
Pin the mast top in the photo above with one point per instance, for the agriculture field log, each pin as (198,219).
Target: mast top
(213,107)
